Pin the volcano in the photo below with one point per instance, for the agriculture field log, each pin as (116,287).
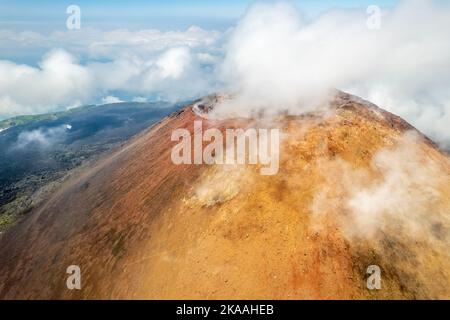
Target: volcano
(356,187)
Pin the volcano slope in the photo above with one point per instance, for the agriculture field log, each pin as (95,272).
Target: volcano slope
(357,186)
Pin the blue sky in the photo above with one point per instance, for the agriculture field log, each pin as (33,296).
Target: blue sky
(47,15)
(145,50)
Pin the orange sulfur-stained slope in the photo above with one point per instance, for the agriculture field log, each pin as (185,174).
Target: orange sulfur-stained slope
(141,227)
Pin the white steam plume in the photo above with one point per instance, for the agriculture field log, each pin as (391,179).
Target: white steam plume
(275,61)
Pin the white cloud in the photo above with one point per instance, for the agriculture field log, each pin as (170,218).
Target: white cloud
(174,74)
(140,99)
(110,99)
(276,61)
(110,44)
(58,81)
(145,62)
(41,137)
(273,58)
(173,62)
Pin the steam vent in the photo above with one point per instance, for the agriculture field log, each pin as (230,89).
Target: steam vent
(356,187)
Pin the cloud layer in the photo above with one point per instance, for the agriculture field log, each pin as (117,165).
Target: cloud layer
(94,65)
(273,59)
(276,61)
(58,80)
